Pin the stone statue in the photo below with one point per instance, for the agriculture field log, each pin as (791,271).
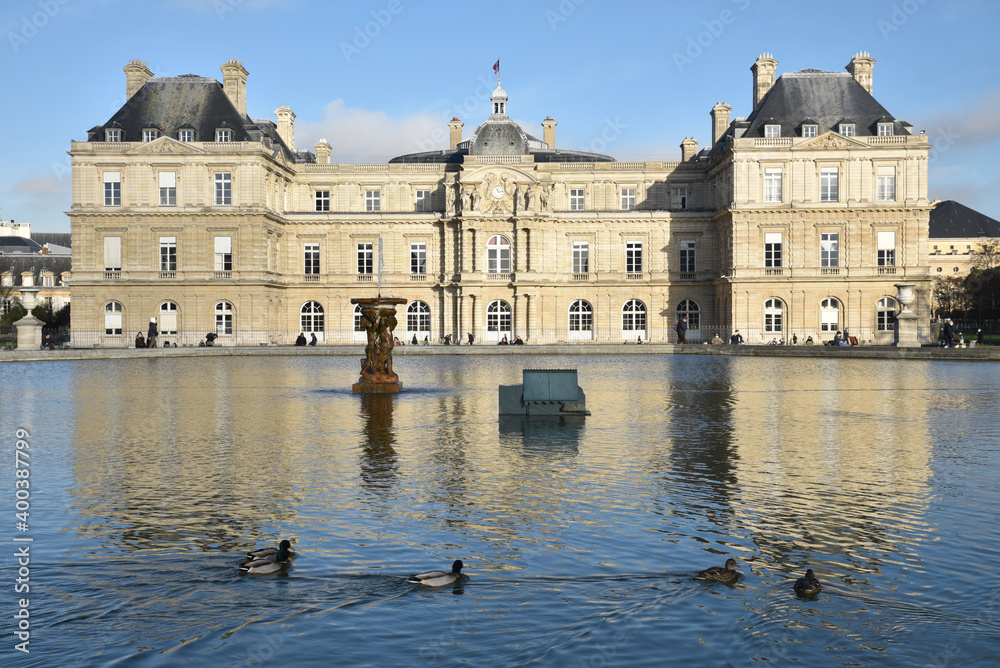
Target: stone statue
(474,199)
(545,197)
(449,196)
(529,199)
(465,201)
(378,317)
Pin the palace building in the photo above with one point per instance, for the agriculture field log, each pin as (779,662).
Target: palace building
(797,218)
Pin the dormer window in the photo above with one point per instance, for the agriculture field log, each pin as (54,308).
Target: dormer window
(150,134)
(885,129)
(772,130)
(185,135)
(112,134)
(810,130)
(847,129)
(223,134)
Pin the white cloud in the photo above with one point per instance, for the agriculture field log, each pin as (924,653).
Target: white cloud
(968,126)
(361,135)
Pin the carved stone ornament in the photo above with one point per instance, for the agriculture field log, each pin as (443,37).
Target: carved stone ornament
(164,145)
(496,194)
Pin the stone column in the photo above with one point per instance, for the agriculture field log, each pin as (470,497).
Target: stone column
(906,320)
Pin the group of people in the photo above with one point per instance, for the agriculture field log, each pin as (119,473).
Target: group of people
(948,339)
(301,339)
(505,342)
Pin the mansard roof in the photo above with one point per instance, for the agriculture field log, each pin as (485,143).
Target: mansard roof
(951,220)
(826,98)
(189,102)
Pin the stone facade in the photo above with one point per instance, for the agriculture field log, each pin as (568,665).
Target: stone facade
(218,223)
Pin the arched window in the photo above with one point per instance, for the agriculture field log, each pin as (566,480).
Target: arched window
(689,308)
(168,318)
(498,317)
(634,316)
(113,319)
(885,314)
(581,317)
(498,255)
(418,317)
(829,315)
(358,327)
(223,318)
(311,317)
(773,311)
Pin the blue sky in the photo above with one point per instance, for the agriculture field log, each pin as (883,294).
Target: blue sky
(381,78)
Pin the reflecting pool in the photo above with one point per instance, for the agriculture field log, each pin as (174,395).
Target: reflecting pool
(580,537)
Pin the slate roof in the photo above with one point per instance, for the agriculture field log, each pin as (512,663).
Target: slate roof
(64,239)
(18,246)
(39,263)
(951,220)
(186,101)
(825,98)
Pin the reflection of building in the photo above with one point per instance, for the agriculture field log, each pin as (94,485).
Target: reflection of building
(799,217)
(956,236)
(42,260)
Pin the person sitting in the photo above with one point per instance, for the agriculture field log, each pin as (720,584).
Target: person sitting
(736,339)
(210,338)
(503,341)
(414,341)
(810,342)
(638,340)
(313,341)
(139,341)
(427,340)
(47,343)
(301,340)
(518,341)
(716,340)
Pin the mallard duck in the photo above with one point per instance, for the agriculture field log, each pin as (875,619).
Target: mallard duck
(271,563)
(438,578)
(808,585)
(727,575)
(271,551)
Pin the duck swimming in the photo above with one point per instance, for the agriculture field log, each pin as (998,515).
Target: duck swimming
(438,578)
(270,551)
(727,575)
(808,585)
(269,563)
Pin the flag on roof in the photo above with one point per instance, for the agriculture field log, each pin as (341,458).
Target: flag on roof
(496,67)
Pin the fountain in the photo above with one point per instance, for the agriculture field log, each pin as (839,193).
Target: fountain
(378,316)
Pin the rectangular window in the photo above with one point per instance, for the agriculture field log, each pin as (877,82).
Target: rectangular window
(687,257)
(627,199)
(886,184)
(112,188)
(418,257)
(322,200)
(847,129)
(829,184)
(809,130)
(366,256)
(679,198)
(829,249)
(886,249)
(113,134)
(168,188)
(185,135)
(885,129)
(168,253)
(772,185)
(373,200)
(772,130)
(772,249)
(576,199)
(223,135)
(422,200)
(311,258)
(223,253)
(150,135)
(581,257)
(223,189)
(112,253)
(633,257)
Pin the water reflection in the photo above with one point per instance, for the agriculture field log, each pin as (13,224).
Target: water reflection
(546,436)
(379,462)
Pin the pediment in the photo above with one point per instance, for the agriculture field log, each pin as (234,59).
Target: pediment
(831,139)
(165,145)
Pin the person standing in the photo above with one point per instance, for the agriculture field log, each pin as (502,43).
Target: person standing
(979,337)
(949,333)
(472,339)
(152,334)
(682,328)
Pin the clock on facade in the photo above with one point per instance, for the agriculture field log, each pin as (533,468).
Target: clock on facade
(498,192)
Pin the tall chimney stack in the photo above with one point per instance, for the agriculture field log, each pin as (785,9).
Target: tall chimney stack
(549,131)
(286,125)
(861,67)
(234,82)
(136,75)
(689,148)
(455,132)
(763,76)
(720,120)
(323,152)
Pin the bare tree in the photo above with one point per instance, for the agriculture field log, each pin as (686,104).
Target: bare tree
(987,255)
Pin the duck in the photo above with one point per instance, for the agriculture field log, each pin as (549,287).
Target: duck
(438,578)
(271,551)
(727,575)
(270,563)
(808,585)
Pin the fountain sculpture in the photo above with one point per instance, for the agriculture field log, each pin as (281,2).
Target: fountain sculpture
(378,317)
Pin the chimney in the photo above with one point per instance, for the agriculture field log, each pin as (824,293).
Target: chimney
(286,125)
(136,74)
(720,120)
(763,76)
(234,82)
(549,131)
(861,67)
(455,126)
(689,148)
(322,152)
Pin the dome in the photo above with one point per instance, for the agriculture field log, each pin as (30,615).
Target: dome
(499,95)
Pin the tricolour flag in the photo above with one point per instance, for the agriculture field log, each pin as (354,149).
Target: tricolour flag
(496,67)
